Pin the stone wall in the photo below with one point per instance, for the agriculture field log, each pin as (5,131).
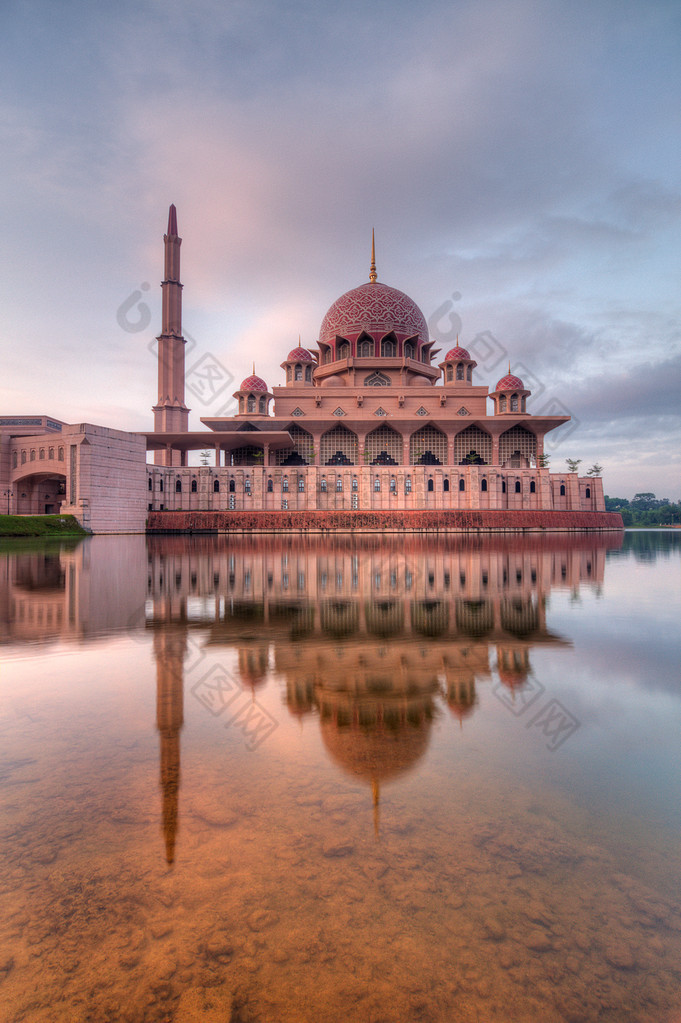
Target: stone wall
(105,478)
(391,521)
(369,487)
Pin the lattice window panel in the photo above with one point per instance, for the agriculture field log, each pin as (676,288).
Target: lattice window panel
(302,447)
(384,446)
(472,439)
(474,617)
(517,439)
(248,455)
(377,380)
(339,617)
(428,446)
(339,440)
(519,615)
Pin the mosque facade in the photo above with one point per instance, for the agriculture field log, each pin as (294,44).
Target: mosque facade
(371,418)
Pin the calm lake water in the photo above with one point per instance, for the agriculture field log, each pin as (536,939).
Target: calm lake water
(329,779)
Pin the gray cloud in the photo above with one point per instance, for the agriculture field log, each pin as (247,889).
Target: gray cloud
(521,153)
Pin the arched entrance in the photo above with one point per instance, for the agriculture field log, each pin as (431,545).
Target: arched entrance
(39,494)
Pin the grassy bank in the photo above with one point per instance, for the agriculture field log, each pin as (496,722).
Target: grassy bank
(40,525)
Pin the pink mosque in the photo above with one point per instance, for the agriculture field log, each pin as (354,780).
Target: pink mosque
(366,421)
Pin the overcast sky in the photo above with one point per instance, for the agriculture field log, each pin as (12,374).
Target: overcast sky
(519,160)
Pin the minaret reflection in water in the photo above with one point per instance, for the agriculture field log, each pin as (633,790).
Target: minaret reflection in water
(373,638)
(170,647)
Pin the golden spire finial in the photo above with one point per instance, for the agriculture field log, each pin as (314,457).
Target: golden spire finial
(373,276)
(509,367)
(254,368)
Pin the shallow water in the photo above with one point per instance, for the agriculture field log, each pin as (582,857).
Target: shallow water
(293,780)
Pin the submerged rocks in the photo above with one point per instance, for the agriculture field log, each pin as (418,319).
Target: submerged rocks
(620,955)
(337,849)
(261,919)
(494,928)
(205,1005)
(538,941)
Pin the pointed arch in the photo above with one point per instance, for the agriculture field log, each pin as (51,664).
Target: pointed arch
(301,451)
(517,448)
(389,346)
(338,446)
(384,446)
(428,446)
(472,446)
(365,346)
(377,380)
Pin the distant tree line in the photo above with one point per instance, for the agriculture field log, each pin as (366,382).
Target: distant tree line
(645,510)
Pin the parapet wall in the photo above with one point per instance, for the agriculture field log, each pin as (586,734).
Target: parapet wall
(378,521)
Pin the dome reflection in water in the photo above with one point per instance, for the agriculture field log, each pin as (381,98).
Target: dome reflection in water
(324,778)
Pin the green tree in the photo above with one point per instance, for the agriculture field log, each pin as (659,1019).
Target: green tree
(543,461)
(573,464)
(616,503)
(205,455)
(595,470)
(644,501)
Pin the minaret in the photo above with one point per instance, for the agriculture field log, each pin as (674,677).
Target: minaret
(171,415)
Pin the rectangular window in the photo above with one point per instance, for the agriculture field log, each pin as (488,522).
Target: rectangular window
(73,474)
(284,503)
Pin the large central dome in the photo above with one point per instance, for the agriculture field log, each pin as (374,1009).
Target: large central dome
(376,309)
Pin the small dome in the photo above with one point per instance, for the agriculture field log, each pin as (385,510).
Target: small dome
(456,354)
(510,383)
(299,355)
(512,679)
(253,383)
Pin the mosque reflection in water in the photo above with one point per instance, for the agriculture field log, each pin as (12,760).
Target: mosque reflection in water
(373,639)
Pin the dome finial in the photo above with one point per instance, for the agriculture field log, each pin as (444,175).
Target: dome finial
(373,276)
(253,369)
